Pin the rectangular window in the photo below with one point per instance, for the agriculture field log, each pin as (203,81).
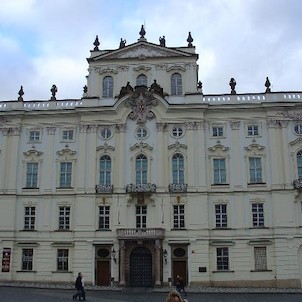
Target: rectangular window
(64,218)
(258,215)
(260,258)
(67,135)
(141,217)
(62,260)
(219,171)
(252,130)
(27,259)
(222,258)
(31,175)
(104,217)
(29,218)
(34,136)
(217,131)
(255,169)
(65,174)
(178,216)
(221,215)
(141,169)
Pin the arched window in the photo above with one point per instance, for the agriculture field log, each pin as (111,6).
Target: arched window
(299,164)
(141,80)
(108,87)
(105,170)
(141,168)
(176,84)
(178,168)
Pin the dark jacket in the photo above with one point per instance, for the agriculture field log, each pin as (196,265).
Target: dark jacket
(78,283)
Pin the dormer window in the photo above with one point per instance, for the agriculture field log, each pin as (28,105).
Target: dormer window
(176,84)
(141,80)
(108,87)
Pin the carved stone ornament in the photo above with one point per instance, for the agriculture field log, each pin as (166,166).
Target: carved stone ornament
(141,101)
(295,116)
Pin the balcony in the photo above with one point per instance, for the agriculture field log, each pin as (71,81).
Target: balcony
(297,184)
(178,188)
(141,188)
(153,233)
(104,189)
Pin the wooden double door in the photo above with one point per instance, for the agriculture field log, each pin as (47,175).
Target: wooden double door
(103,273)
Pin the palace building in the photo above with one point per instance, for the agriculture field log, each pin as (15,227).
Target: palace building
(144,178)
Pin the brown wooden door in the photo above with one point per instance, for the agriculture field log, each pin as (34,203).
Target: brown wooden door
(180,268)
(103,273)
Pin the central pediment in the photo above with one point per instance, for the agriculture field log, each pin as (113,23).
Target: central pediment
(141,50)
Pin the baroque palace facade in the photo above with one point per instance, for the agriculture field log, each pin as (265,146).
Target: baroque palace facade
(145,177)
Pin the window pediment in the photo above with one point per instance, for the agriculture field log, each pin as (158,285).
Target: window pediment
(33,153)
(141,146)
(218,148)
(254,149)
(66,151)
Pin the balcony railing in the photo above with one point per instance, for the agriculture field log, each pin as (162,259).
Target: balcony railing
(153,233)
(297,183)
(178,188)
(105,189)
(141,188)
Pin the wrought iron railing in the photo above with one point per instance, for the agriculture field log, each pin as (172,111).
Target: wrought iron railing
(107,189)
(298,183)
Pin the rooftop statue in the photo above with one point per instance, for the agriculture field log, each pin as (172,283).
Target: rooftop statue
(162,41)
(233,85)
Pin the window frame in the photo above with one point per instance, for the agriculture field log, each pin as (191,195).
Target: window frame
(217,131)
(104,217)
(258,215)
(221,177)
(178,168)
(141,169)
(34,136)
(64,218)
(27,258)
(62,260)
(107,87)
(221,215)
(66,135)
(29,218)
(253,130)
(142,80)
(298,129)
(179,217)
(255,170)
(260,258)
(176,84)
(141,216)
(106,172)
(65,180)
(32,175)
(222,259)
(299,164)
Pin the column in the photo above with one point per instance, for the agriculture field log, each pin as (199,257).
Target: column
(120,165)
(122,263)
(162,157)
(157,262)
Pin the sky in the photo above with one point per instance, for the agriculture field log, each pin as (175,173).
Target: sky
(47,42)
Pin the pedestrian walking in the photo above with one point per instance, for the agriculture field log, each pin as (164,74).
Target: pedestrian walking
(181,286)
(78,285)
(83,289)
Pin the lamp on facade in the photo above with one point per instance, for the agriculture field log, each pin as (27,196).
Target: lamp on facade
(113,255)
(166,256)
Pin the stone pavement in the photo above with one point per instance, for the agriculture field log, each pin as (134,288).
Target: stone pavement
(44,285)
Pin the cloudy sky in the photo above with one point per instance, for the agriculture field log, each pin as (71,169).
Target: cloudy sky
(47,42)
